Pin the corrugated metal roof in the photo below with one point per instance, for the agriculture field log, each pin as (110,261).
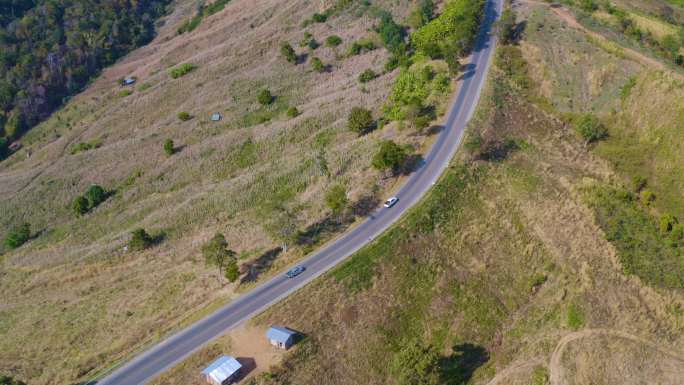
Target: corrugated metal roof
(216,117)
(279,333)
(222,368)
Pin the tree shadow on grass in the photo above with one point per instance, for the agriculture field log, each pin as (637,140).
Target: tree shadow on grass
(320,230)
(365,205)
(458,368)
(262,263)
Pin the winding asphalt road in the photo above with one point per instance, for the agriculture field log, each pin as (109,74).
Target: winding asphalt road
(162,356)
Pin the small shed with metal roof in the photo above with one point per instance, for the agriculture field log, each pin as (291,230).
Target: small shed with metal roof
(223,371)
(215,117)
(281,337)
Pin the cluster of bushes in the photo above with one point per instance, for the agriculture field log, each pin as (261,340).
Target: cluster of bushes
(415,93)
(360,120)
(85,146)
(669,46)
(452,33)
(360,46)
(181,70)
(647,248)
(308,41)
(202,12)
(91,199)
(590,128)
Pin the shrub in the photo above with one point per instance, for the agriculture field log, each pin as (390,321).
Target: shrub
(18,236)
(416,364)
(360,120)
(95,195)
(292,112)
(361,46)
(646,196)
(333,41)
(182,70)
(265,97)
(232,271)
(140,240)
(319,18)
(168,147)
(80,205)
(85,146)
(305,40)
(390,156)
(590,128)
(336,199)
(667,222)
(184,116)
(317,65)
(312,44)
(288,52)
(367,76)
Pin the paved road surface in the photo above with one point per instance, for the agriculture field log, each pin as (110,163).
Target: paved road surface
(162,356)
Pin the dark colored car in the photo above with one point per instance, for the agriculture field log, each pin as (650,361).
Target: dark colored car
(295,271)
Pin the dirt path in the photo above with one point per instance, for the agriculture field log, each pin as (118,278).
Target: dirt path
(556,367)
(565,15)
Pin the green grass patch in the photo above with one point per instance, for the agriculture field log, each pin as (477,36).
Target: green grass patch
(642,248)
(575,316)
(182,70)
(85,146)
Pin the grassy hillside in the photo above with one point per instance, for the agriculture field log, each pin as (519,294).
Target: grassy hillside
(75,298)
(533,260)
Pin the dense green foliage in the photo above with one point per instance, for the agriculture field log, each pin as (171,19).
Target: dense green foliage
(333,41)
(454,30)
(336,198)
(140,240)
(412,89)
(421,14)
(168,147)
(50,49)
(643,249)
(182,70)
(590,128)
(390,156)
(90,199)
(391,34)
(360,46)
(18,236)
(265,97)
(416,364)
(360,120)
(216,253)
(201,13)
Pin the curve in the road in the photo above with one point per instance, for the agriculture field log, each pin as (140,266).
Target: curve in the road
(160,357)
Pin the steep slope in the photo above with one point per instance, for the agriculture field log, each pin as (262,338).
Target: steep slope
(75,300)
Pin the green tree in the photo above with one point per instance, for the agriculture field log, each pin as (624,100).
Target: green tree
(168,147)
(390,156)
(591,128)
(421,14)
(265,97)
(317,64)
(336,199)
(282,225)
(95,195)
(140,240)
(333,41)
(288,52)
(416,364)
(232,271)
(216,253)
(80,205)
(360,120)
(18,236)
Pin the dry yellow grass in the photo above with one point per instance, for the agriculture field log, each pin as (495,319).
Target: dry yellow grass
(73,301)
